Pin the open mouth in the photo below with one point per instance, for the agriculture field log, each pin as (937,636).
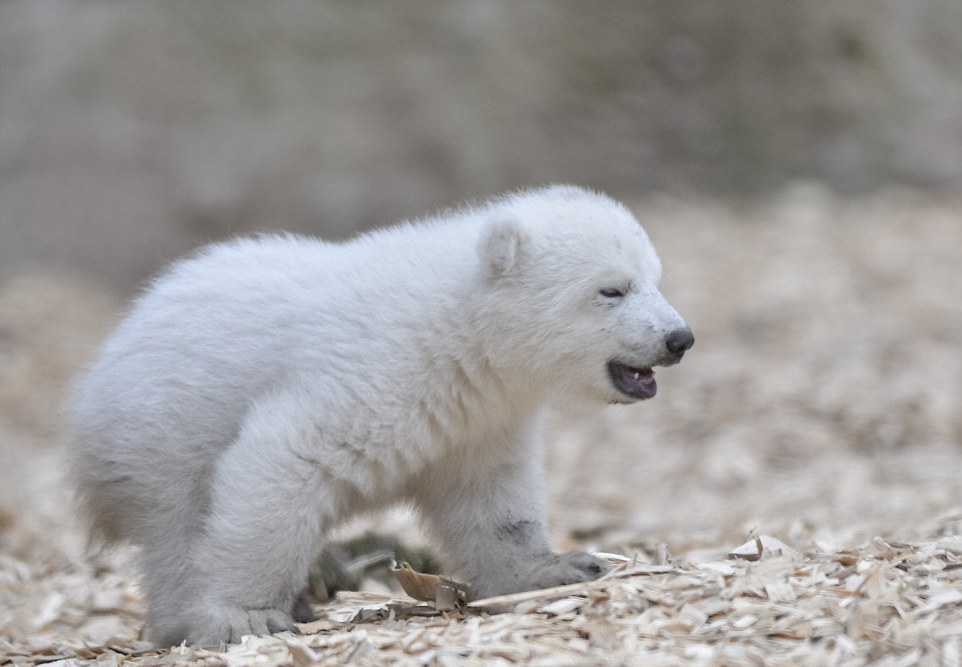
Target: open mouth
(638,383)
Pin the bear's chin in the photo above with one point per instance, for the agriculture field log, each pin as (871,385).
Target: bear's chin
(635,383)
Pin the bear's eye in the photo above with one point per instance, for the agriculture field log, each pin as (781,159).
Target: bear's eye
(611,292)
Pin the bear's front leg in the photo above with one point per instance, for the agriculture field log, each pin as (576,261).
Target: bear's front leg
(489,518)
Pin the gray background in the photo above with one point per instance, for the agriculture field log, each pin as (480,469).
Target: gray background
(132,131)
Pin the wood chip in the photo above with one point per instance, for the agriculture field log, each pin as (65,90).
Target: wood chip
(758,546)
(767,427)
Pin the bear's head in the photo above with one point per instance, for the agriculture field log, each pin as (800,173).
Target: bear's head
(571,297)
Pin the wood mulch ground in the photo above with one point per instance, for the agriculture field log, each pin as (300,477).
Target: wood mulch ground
(792,496)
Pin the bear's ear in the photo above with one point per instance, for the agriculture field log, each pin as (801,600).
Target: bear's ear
(502,246)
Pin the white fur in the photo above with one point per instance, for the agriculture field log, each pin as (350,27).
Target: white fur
(267,388)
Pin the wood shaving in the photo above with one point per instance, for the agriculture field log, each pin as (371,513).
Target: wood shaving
(819,406)
(898,601)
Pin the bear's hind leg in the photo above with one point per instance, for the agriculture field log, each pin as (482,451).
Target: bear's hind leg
(167,541)
(265,526)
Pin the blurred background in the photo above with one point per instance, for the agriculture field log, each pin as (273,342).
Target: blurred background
(798,165)
(132,131)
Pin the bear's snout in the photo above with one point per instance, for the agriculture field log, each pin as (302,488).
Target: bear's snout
(678,341)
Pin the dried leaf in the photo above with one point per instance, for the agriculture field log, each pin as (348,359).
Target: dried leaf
(445,593)
(419,586)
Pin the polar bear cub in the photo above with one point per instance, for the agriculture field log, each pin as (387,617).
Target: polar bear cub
(265,389)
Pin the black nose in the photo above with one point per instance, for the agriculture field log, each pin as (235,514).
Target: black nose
(679,340)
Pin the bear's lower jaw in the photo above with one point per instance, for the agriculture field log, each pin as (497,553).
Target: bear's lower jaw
(638,383)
